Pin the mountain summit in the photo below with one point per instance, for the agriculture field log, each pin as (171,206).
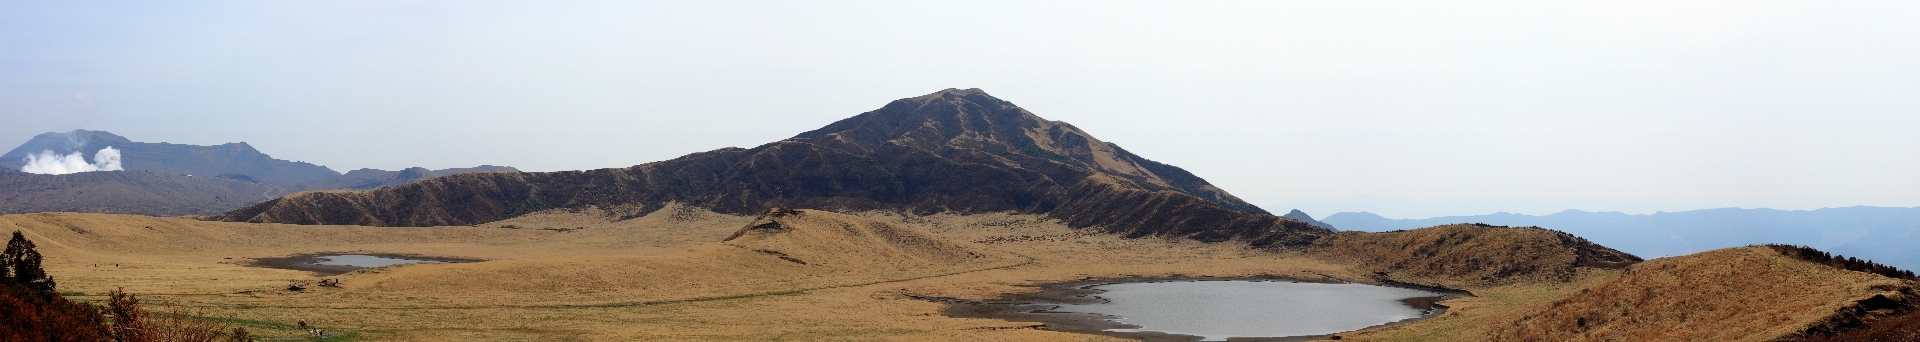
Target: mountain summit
(957,123)
(959,151)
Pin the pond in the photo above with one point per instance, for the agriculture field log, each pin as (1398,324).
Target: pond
(1214,310)
(336,263)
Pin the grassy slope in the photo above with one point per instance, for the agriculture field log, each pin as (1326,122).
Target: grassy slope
(1468,255)
(1738,294)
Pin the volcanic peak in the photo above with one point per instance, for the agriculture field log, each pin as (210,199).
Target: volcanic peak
(955,151)
(956,123)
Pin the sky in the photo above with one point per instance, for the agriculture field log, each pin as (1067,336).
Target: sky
(1407,109)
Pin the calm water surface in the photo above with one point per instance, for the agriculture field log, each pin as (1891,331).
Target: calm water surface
(358,260)
(1218,310)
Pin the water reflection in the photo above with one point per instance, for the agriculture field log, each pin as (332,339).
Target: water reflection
(360,260)
(1218,310)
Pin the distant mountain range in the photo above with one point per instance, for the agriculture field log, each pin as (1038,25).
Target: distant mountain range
(165,179)
(953,151)
(1886,235)
(233,160)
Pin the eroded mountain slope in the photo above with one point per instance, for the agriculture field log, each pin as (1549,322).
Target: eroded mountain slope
(959,151)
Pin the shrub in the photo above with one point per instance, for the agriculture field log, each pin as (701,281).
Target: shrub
(31,310)
(1841,262)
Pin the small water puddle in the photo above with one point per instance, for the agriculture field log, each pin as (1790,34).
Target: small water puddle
(1211,310)
(334,263)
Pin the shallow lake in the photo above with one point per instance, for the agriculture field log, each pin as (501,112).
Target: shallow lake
(361,260)
(331,264)
(1217,310)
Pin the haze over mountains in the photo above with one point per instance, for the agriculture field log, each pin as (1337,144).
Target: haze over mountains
(1886,235)
(953,151)
(232,160)
(174,179)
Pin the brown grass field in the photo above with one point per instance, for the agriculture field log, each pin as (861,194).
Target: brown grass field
(687,274)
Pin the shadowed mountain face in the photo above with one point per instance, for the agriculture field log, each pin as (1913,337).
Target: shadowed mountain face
(957,151)
(234,160)
(365,179)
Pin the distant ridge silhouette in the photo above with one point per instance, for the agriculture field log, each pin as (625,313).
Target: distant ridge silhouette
(162,179)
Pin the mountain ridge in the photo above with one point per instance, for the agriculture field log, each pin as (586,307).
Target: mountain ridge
(237,158)
(164,179)
(960,151)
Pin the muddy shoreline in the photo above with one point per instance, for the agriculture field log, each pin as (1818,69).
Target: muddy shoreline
(1038,306)
(309,262)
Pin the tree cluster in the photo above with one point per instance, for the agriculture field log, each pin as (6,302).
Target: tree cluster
(32,311)
(1841,262)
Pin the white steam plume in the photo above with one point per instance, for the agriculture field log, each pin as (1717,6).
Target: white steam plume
(108,159)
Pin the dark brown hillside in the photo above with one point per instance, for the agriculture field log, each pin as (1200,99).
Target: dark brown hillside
(953,151)
(956,124)
(367,179)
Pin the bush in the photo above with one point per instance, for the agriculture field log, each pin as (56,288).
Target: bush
(31,310)
(1841,262)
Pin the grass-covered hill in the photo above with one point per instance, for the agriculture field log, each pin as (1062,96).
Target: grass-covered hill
(1471,254)
(1737,294)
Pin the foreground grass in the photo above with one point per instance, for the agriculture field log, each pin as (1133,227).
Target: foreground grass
(1469,318)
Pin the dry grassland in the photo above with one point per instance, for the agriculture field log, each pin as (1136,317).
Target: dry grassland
(683,274)
(1736,294)
(666,276)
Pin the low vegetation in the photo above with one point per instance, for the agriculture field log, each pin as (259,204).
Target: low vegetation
(34,311)
(1841,262)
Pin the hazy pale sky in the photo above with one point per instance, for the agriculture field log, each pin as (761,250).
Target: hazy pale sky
(1404,108)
